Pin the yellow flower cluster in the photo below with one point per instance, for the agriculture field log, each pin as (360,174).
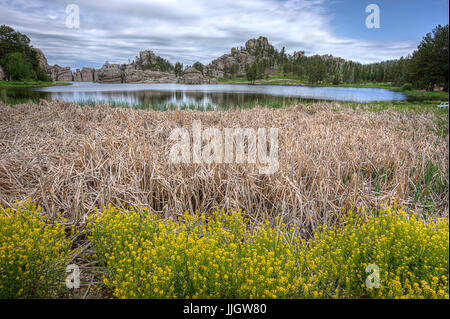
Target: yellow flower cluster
(193,257)
(33,253)
(220,256)
(385,253)
(410,256)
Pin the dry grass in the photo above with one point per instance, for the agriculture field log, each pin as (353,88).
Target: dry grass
(70,158)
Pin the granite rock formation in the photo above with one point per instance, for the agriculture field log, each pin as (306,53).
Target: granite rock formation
(194,76)
(77,76)
(110,74)
(87,74)
(42,59)
(235,62)
(133,75)
(58,73)
(150,68)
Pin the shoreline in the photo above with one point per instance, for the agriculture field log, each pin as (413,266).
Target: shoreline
(411,95)
(29,84)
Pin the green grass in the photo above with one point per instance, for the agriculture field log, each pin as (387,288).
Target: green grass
(269,103)
(417,95)
(29,84)
(426,106)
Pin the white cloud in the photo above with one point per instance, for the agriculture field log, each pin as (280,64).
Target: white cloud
(184,31)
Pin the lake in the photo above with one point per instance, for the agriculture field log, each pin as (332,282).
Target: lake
(207,95)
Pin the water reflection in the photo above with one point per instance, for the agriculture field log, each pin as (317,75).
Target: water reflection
(203,95)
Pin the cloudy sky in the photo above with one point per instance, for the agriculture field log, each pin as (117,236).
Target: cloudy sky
(201,30)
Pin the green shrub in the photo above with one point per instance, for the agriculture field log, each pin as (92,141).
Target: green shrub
(17,68)
(33,253)
(407,87)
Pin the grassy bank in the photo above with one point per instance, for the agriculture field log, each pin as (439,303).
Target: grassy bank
(413,95)
(29,84)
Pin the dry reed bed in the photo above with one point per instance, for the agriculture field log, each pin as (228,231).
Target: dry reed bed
(70,158)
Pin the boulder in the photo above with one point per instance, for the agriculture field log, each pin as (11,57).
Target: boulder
(194,76)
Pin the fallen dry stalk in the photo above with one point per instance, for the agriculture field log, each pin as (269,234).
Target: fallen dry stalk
(70,158)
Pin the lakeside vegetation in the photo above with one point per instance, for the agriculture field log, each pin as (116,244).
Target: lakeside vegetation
(280,79)
(139,254)
(135,252)
(424,103)
(29,84)
(417,137)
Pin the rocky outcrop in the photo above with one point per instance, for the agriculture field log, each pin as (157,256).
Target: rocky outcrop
(58,73)
(77,76)
(159,77)
(42,59)
(234,63)
(133,75)
(87,75)
(147,68)
(194,76)
(65,74)
(147,57)
(52,71)
(298,55)
(110,74)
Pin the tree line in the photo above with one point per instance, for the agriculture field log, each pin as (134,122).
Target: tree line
(426,68)
(18,58)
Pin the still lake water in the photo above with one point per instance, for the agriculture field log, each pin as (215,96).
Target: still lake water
(207,94)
